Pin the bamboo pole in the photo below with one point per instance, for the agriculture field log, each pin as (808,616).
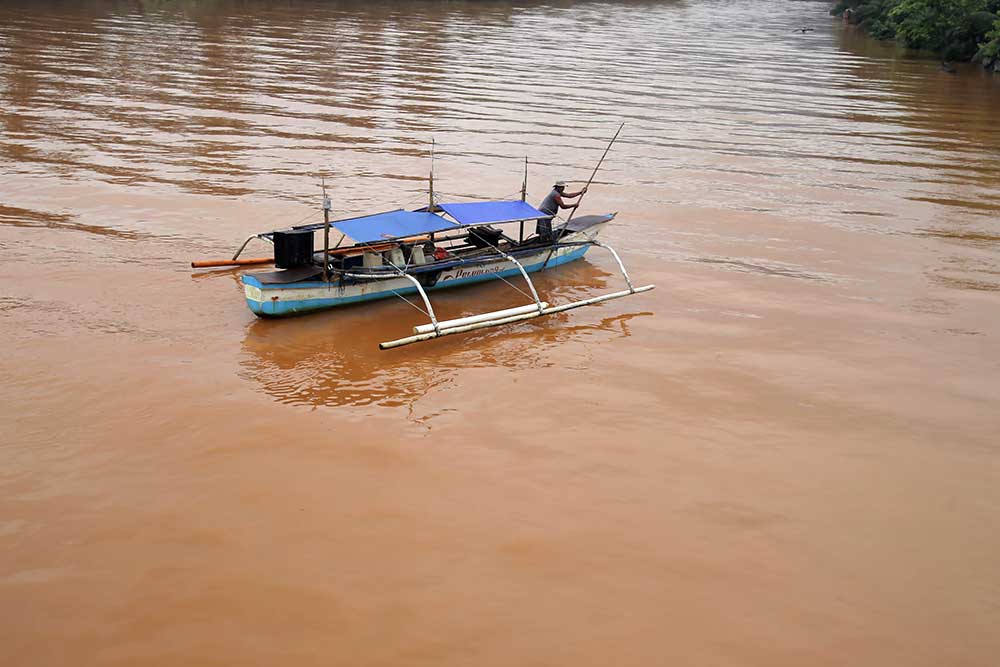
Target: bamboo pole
(509,320)
(592,175)
(590,180)
(472,319)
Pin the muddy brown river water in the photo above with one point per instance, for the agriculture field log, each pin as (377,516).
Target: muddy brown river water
(786,454)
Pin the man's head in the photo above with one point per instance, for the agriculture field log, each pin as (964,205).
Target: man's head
(559,186)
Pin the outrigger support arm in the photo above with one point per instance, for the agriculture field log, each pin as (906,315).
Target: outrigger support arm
(618,259)
(512,315)
(427,302)
(509,320)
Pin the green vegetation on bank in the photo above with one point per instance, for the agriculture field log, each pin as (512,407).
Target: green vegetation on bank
(955,29)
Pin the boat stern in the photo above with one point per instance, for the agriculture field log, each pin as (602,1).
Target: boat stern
(267,300)
(253,291)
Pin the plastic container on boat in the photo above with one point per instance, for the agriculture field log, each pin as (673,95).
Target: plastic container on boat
(395,257)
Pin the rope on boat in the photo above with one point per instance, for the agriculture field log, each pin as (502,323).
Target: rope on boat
(314,213)
(414,200)
(497,274)
(409,302)
(534,295)
(402,272)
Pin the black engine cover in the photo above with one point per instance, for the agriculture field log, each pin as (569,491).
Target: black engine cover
(292,248)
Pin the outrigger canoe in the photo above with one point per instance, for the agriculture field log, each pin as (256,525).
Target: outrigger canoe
(399,253)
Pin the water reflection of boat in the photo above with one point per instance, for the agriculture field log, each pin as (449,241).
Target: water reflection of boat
(306,361)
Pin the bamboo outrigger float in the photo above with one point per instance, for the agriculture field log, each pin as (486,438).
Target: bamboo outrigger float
(402,252)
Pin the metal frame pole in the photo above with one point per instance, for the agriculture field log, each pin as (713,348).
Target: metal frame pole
(243,247)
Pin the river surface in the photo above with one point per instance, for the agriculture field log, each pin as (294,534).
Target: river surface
(786,454)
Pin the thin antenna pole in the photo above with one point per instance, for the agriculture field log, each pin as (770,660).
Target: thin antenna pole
(524,195)
(326,232)
(430,206)
(591,179)
(524,184)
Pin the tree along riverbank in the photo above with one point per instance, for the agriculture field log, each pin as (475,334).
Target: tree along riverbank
(959,30)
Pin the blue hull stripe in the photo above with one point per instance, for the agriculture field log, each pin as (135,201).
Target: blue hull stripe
(290,307)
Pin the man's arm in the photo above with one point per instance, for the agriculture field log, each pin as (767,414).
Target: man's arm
(569,195)
(562,204)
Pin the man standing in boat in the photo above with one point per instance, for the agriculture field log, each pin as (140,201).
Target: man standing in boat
(551,205)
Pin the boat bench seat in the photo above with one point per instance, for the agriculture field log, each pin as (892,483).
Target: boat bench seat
(285,276)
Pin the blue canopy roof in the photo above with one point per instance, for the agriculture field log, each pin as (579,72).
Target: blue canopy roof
(485,212)
(392,225)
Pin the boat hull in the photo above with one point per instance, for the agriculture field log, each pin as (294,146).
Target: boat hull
(311,296)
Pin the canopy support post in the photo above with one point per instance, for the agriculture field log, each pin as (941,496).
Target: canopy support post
(326,233)
(524,183)
(524,197)
(430,194)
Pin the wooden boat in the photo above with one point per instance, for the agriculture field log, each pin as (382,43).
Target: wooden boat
(399,253)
